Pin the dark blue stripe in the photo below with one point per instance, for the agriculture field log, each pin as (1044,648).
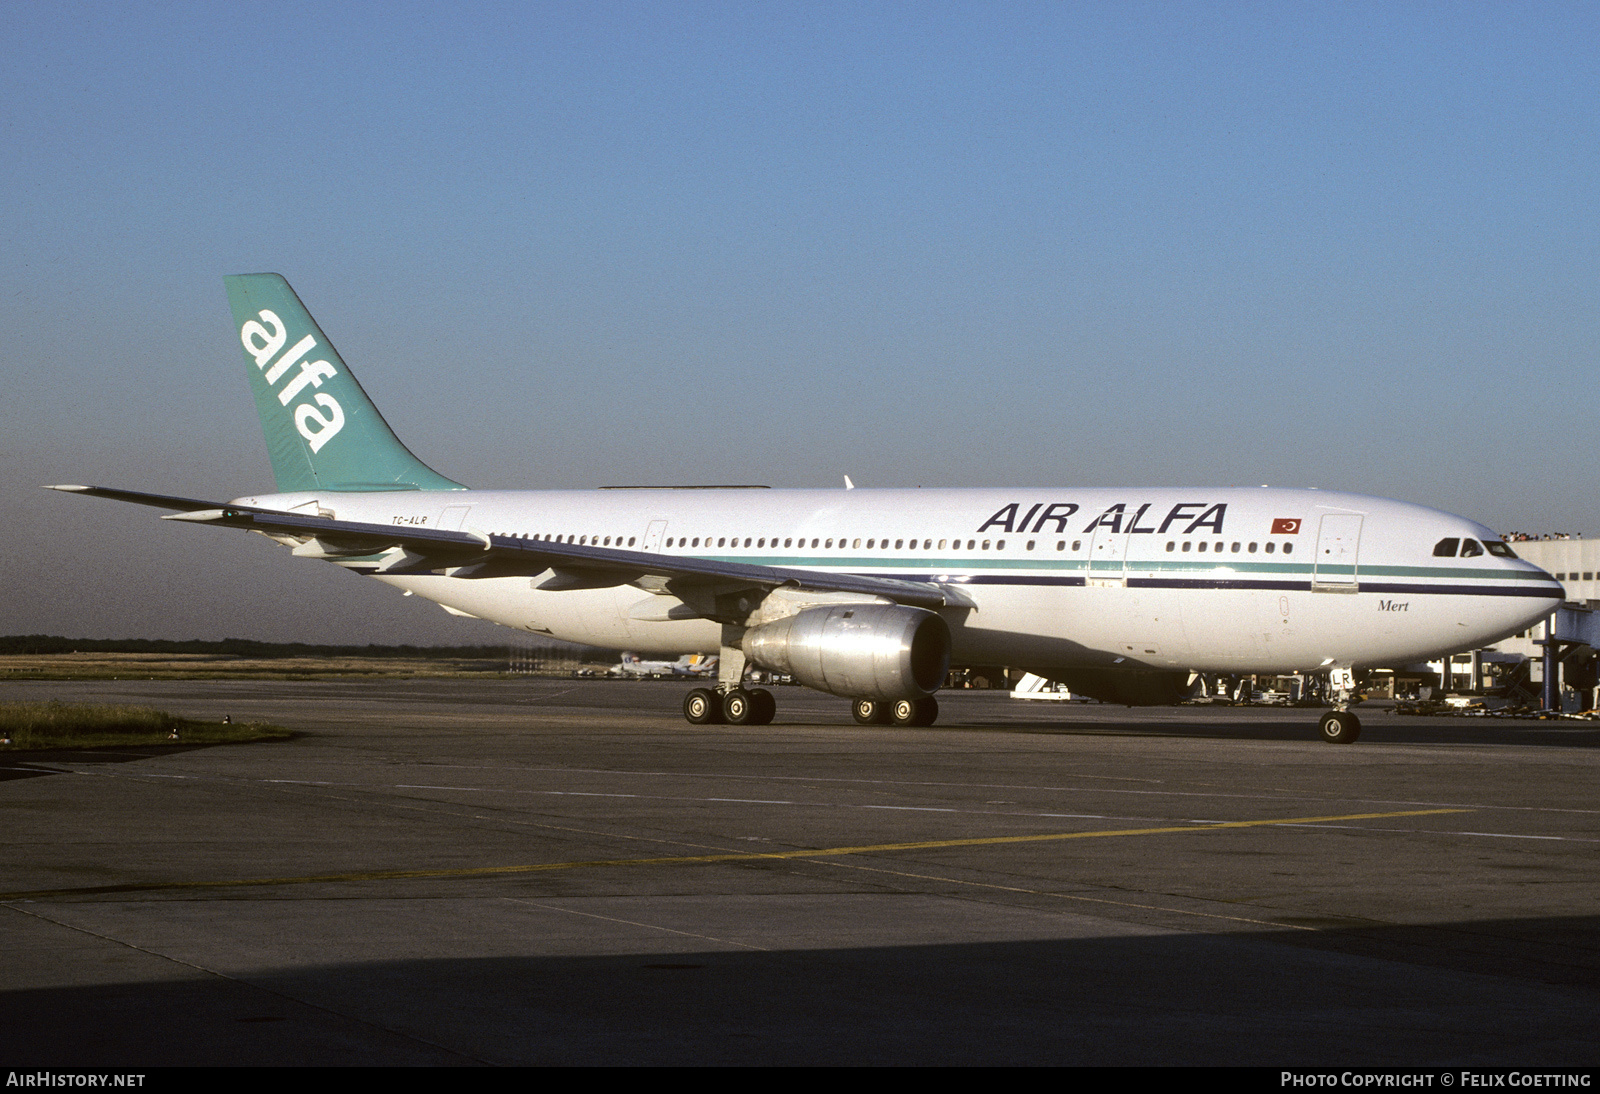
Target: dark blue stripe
(1006,579)
(984,579)
(1217,583)
(1545,592)
(1541,591)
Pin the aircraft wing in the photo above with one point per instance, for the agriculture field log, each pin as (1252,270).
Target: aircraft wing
(409,550)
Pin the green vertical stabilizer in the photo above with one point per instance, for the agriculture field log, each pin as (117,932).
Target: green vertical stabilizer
(323,433)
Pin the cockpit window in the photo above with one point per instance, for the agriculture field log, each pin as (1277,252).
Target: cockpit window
(1471,548)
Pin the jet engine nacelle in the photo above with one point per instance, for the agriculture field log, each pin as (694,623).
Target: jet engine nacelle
(860,651)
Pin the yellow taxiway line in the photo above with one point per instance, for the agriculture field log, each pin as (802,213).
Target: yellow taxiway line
(692,860)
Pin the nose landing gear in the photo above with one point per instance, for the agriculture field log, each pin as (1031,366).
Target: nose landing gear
(1339,726)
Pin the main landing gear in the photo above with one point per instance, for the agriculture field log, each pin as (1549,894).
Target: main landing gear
(730,703)
(704,707)
(901,712)
(756,707)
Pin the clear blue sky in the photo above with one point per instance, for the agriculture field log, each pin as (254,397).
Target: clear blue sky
(563,245)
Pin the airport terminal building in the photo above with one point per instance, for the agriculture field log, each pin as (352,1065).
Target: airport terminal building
(1573,560)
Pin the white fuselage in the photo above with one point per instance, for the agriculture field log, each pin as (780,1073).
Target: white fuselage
(1214,580)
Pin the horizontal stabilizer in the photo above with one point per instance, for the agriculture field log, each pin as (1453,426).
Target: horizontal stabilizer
(159,501)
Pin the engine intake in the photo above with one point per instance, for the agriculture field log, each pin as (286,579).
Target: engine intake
(860,651)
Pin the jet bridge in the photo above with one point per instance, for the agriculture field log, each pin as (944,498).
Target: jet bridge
(1571,626)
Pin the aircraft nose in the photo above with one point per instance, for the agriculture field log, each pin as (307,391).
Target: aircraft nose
(1518,613)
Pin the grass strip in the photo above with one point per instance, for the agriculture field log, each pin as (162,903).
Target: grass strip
(54,724)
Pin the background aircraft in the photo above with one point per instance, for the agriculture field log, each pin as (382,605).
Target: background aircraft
(690,664)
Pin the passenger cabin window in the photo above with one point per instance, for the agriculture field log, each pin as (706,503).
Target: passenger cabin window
(1446,548)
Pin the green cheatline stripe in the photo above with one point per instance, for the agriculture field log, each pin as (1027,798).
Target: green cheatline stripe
(692,860)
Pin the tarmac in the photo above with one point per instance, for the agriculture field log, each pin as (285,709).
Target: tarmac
(542,871)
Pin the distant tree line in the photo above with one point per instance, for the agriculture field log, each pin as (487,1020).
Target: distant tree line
(235,647)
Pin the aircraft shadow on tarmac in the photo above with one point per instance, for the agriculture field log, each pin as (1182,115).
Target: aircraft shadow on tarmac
(1301,726)
(1519,992)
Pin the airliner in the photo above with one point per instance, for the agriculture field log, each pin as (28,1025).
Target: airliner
(871,594)
(690,664)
